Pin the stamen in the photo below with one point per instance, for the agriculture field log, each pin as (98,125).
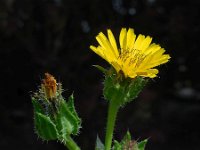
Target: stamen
(135,55)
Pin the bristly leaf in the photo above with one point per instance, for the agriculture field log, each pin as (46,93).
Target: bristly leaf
(37,106)
(99,144)
(100,68)
(142,144)
(70,104)
(45,128)
(67,122)
(126,138)
(117,146)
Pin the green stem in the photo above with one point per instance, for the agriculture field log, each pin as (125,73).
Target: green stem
(70,144)
(112,114)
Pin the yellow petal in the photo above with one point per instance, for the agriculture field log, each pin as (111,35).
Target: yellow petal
(113,42)
(103,41)
(162,60)
(122,39)
(153,53)
(146,42)
(151,73)
(157,55)
(108,56)
(145,63)
(104,54)
(131,74)
(116,65)
(139,41)
(130,39)
(97,51)
(152,49)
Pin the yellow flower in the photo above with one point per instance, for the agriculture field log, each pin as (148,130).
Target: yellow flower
(137,56)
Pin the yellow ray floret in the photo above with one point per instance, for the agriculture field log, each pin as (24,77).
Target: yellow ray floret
(137,56)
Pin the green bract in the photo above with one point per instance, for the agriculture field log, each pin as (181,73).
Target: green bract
(120,89)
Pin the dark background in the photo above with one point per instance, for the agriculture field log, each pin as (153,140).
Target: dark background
(38,36)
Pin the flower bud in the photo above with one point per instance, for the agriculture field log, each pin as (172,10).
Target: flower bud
(49,86)
(54,117)
(128,144)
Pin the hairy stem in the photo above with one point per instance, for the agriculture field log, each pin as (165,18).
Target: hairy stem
(70,144)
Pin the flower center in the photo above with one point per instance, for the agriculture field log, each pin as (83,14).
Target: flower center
(133,57)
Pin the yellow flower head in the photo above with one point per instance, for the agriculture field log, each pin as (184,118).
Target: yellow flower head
(137,56)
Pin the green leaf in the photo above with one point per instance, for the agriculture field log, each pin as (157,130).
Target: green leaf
(67,123)
(44,127)
(64,126)
(100,68)
(117,145)
(142,144)
(71,106)
(99,144)
(126,139)
(37,106)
